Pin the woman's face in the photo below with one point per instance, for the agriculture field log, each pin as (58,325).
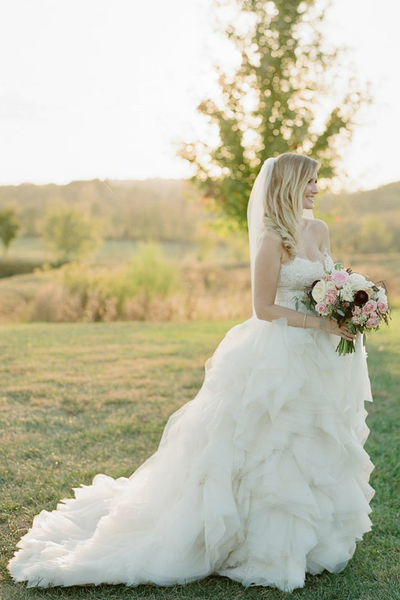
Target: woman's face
(309,192)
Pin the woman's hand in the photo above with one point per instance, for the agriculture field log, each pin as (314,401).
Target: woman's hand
(340,330)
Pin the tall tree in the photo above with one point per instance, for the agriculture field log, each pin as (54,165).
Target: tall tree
(269,104)
(9,227)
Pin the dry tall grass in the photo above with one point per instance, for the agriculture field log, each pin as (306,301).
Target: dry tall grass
(152,289)
(206,292)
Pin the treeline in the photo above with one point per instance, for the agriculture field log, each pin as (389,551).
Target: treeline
(162,209)
(363,222)
(171,210)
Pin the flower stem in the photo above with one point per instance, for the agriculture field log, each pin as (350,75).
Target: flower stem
(345,347)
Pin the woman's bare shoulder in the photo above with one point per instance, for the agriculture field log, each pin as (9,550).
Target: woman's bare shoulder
(270,235)
(321,233)
(319,225)
(270,243)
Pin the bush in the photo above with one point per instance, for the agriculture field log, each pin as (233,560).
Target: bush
(148,275)
(54,303)
(80,292)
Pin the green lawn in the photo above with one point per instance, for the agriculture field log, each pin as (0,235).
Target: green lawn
(80,399)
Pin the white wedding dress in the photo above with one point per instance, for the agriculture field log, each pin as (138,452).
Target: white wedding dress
(261,477)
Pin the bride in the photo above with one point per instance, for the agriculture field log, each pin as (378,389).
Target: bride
(262,477)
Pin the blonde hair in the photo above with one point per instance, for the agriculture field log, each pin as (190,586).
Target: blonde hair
(284,202)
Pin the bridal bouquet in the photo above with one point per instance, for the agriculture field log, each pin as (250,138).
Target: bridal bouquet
(350,298)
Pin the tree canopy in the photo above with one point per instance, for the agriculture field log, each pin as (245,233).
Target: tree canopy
(9,226)
(270,103)
(70,232)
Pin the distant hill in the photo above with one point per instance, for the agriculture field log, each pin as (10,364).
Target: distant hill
(380,200)
(364,222)
(128,209)
(170,210)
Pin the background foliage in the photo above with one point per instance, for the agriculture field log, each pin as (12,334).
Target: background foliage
(269,102)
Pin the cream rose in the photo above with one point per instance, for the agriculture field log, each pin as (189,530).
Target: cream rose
(330,286)
(319,290)
(357,282)
(381,295)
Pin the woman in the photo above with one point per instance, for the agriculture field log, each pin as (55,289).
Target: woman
(262,477)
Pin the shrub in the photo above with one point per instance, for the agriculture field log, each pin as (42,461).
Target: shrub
(148,275)
(54,303)
(98,294)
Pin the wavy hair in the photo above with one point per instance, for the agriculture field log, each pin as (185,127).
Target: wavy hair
(284,202)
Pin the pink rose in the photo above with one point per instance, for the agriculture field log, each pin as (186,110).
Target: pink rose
(373,320)
(382,306)
(356,320)
(339,278)
(331,296)
(356,310)
(321,308)
(369,306)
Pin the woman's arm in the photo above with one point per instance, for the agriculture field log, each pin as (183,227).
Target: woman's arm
(266,277)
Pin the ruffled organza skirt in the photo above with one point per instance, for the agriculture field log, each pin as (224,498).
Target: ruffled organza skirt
(261,477)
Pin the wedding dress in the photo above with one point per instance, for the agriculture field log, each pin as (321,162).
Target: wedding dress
(262,477)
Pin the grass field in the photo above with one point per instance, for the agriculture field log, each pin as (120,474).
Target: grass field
(80,399)
(111,251)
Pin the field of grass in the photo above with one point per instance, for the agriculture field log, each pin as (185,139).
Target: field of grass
(35,249)
(110,252)
(80,399)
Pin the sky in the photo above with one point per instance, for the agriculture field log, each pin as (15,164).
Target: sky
(103,89)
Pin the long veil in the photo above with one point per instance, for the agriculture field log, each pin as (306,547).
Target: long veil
(255,212)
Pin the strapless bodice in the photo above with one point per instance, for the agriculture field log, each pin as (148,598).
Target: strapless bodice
(295,275)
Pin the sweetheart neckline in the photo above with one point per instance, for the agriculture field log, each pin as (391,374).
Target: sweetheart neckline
(323,265)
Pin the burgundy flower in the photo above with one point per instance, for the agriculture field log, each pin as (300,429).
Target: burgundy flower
(360,297)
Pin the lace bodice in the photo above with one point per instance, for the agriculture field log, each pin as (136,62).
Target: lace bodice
(295,275)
